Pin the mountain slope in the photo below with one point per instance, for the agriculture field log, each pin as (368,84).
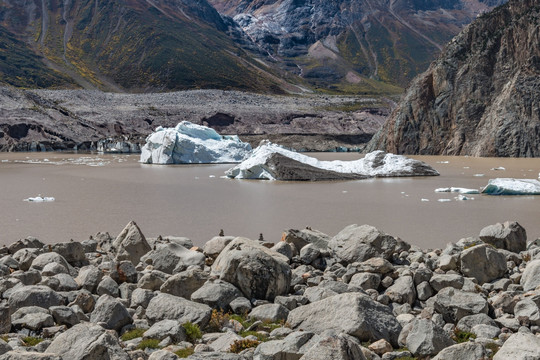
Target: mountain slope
(136,45)
(338,44)
(481,97)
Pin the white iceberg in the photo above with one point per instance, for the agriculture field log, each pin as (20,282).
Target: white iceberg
(458,190)
(40,198)
(189,143)
(274,162)
(509,186)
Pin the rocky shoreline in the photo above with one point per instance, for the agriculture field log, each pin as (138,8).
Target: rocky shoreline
(361,294)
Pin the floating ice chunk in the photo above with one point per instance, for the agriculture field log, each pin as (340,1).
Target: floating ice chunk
(273,162)
(458,190)
(444,200)
(443,162)
(211,176)
(424,200)
(509,186)
(40,198)
(189,143)
(478,175)
(500,168)
(463,198)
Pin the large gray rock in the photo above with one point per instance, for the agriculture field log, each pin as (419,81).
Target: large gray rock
(165,306)
(141,297)
(89,278)
(166,328)
(216,245)
(43,259)
(402,291)
(335,347)
(269,312)
(25,257)
(29,242)
(352,313)
(291,347)
(359,243)
(111,312)
(224,342)
(455,304)
(522,346)
(466,350)
(216,294)
(35,321)
(483,263)
(72,251)
(163,355)
(301,238)
(530,279)
(108,286)
(257,271)
(529,309)
(130,244)
(34,295)
(509,236)
(87,341)
(365,280)
(440,281)
(152,280)
(5,318)
(64,315)
(172,258)
(185,283)
(468,322)
(425,338)
(4,347)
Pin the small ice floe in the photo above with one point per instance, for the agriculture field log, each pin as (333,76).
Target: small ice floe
(508,186)
(466,167)
(212,176)
(40,198)
(443,162)
(500,168)
(444,200)
(463,198)
(458,190)
(424,200)
(478,175)
(5,161)
(344,192)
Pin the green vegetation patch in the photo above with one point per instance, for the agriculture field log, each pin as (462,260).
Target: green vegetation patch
(132,334)
(240,345)
(193,332)
(148,344)
(31,340)
(184,353)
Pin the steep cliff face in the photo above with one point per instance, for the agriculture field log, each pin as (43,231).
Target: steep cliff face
(131,45)
(340,44)
(481,97)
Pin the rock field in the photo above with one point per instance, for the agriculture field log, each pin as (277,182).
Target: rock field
(361,294)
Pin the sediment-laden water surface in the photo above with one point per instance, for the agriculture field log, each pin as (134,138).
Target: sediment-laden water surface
(104,192)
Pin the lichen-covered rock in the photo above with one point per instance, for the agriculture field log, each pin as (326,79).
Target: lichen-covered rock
(483,263)
(34,295)
(509,236)
(172,258)
(352,313)
(111,312)
(257,271)
(184,283)
(165,306)
(425,338)
(216,294)
(521,345)
(455,304)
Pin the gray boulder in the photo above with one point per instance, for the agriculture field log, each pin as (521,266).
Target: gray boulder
(166,328)
(5,318)
(216,245)
(163,355)
(240,305)
(41,260)
(216,294)
(87,341)
(64,315)
(466,350)
(25,257)
(468,322)
(53,269)
(485,331)
(184,283)
(224,342)
(141,297)
(270,312)
(529,309)
(257,271)
(130,244)
(152,280)
(34,295)
(285,249)
(108,286)
(424,291)
(89,278)
(441,281)
(483,263)
(72,251)
(425,338)
(521,345)
(352,313)
(402,291)
(359,243)
(85,301)
(301,238)
(165,306)
(530,279)
(365,280)
(29,242)
(309,253)
(173,258)
(29,355)
(509,236)
(111,312)
(34,321)
(455,304)
(293,346)
(335,347)
(4,347)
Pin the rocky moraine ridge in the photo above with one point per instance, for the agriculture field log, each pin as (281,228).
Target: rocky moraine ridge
(361,294)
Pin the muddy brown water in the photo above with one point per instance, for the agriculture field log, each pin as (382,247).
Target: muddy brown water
(104,192)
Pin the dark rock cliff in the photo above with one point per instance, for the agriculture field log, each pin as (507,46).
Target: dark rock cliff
(481,97)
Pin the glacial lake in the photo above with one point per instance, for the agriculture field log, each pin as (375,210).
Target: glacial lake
(104,192)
